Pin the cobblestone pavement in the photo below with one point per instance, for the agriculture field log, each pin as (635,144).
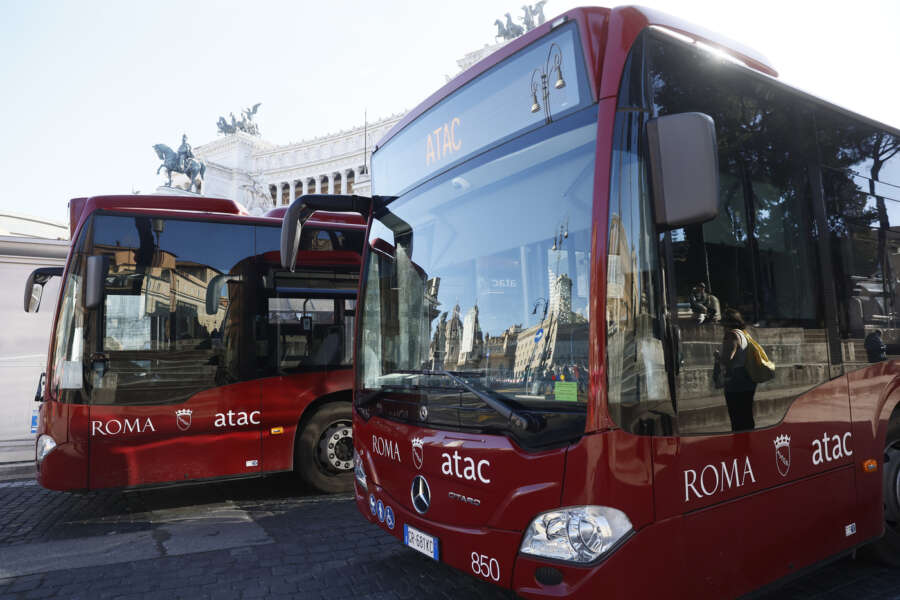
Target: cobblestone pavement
(255,539)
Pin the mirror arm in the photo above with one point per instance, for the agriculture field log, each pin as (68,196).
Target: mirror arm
(301,209)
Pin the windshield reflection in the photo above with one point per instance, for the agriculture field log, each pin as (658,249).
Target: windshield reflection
(497,291)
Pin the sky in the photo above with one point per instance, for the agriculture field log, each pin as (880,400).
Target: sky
(88,87)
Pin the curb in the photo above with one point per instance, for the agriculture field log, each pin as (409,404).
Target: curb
(16,471)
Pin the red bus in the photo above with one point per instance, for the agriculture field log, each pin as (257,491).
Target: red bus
(628,319)
(182,351)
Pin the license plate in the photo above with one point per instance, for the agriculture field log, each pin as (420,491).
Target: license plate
(421,541)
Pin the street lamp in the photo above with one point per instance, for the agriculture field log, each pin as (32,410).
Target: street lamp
(544,75)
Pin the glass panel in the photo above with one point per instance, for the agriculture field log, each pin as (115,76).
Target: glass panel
(494,295)
(67,367)
(751,274)
(172,322)
(638,385)
(865,234)
(488,110)
(858,149)
(311,319)
(309,333)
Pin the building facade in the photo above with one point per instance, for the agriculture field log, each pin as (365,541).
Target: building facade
(262,175)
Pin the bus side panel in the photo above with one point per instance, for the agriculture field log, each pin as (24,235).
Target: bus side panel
(694,472)
(873,395)
(611,469)
(66,467)
(133,445)
(285,400)
(738,546)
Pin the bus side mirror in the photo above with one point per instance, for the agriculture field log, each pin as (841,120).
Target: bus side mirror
(214,290)
(34,286)
(303,208)
(684,169)
(94,280)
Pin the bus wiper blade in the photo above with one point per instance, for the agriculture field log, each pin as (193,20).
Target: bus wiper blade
(440,372)
(521,421)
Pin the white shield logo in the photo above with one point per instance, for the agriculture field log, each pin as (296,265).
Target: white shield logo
(418,453)
(783,454)
(183,418)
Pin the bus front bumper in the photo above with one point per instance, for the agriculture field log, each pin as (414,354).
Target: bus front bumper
(471,551)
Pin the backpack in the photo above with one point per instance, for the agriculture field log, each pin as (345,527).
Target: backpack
(759,367)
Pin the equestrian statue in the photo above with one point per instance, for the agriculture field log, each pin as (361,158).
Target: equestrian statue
(182,161)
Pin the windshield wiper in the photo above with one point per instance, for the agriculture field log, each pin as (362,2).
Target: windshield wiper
(440,372)
(522,421)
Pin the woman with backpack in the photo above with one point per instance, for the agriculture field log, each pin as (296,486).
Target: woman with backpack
(739,387)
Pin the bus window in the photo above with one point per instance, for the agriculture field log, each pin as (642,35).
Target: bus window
(639,397)
(309,333)
(310,319)
(753,272)
(159,344)
(861,181)
(66,371)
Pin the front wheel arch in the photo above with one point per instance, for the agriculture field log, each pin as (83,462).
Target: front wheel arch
(887,549)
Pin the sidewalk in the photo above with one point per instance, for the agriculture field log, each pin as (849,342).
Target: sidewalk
(16,459)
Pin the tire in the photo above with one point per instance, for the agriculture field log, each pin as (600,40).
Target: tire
(887,549)
(323,454)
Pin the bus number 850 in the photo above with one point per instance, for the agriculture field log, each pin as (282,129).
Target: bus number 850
(485,566)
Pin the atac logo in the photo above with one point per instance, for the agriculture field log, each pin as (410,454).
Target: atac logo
(783,454)
(418,452)
(183,418)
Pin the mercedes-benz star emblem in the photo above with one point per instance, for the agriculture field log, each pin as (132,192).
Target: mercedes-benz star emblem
(420,494)
(423,413)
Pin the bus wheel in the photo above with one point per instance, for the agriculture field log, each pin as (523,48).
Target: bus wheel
(324,451)
(887,549)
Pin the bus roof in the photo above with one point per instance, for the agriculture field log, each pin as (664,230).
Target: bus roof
(173,206)
(594,24)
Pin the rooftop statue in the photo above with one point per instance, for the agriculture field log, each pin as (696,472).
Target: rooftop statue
(182,161)
(246,124)
(533,15)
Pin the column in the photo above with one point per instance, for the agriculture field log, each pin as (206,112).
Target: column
(318,184)
(293,189)
(305,185)
(277,199)
(346,176)
(331,183)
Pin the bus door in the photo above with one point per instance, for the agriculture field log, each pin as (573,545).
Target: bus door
(171,367)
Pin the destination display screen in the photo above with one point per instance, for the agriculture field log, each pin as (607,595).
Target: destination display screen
(497,105)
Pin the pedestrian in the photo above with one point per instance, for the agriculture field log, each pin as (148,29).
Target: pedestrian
(876,350)
(739,387)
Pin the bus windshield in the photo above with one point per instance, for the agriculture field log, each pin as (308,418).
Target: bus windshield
(492,295)
(190,305)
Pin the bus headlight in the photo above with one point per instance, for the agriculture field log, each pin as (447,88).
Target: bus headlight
(578,533)
(359,471)
(45,446)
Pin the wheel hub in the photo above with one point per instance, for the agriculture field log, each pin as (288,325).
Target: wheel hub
(336,446)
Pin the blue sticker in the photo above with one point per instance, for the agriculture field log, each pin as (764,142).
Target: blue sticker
(34,421)
(381,511)
(389,517)
(372,503)
(538,335)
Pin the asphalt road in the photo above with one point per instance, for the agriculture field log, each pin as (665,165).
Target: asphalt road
(255,539)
